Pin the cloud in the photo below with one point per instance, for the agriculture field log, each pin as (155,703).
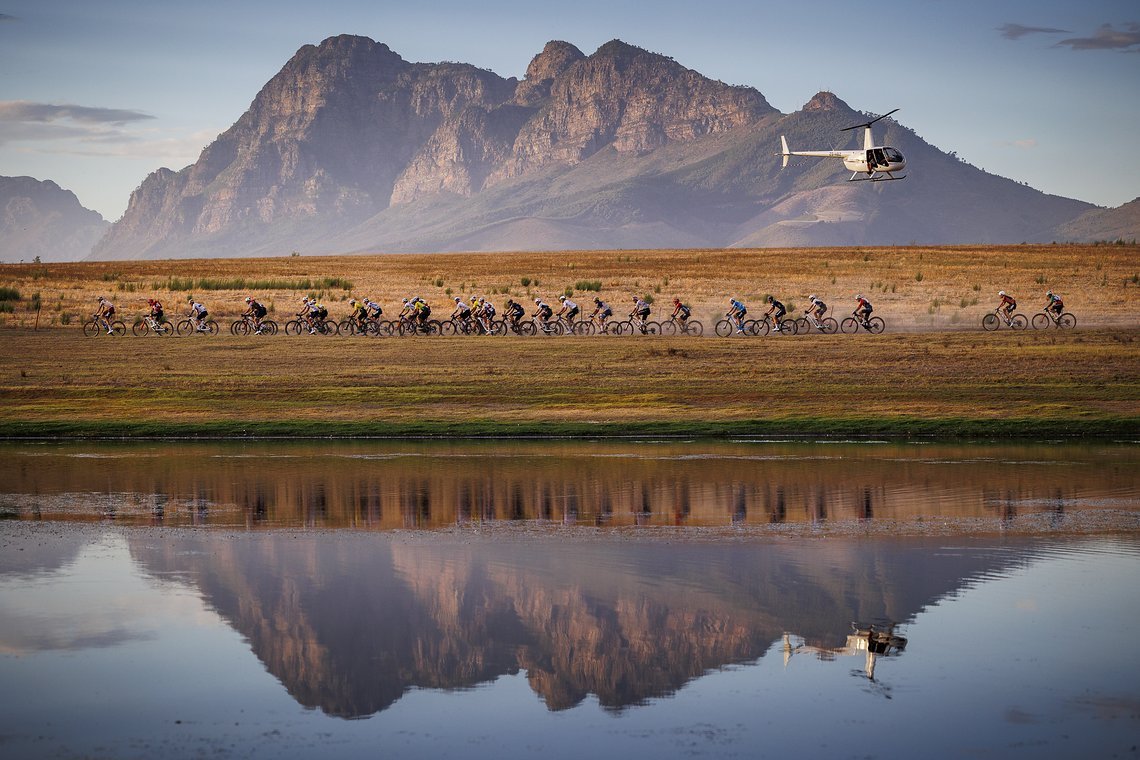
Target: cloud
(27,111)
(1017,31)
(6,17)
(1108,38)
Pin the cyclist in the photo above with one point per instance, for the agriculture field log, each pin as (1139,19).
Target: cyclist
(198,313)
(543,312)
(602,311)
(421,311)
(776,312)
(641,311)
(1007,304)
(1054,304)
(736,312)
(462,312)
(681,312)
(359,314)
(513,313)
(103,313)
(863,311)
(568,311)
(255,311)
(486,314)
(817,309)
(375,311)
(305,315)
(156,310)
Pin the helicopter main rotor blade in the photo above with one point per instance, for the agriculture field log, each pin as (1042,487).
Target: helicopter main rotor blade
(868,123)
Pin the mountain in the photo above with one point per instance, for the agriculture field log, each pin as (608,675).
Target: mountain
(1110,224)
(42,219)
(351,148)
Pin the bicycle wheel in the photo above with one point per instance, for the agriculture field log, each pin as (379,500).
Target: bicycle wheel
(118,329)
(849,326)
(185,328)
(830,326)
(240,327)
(211,327)
(1040,321)
(268,327)
(653,328)
(583,328)
(345,327)
(293,327)
(788,327)
(802,325)
(876,325)
(1067,321)
(669,328)
(757,327)
(990,322)
(1019,322)
(139,329)
(695,328)
(165,329)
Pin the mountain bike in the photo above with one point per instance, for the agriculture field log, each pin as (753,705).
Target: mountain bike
(149,325)
(96,326)
(1044,318)
(416,327)
(245,326)
(994,320)
(638,326)
(808,323)
(851,325)
(191,327)
(673,326)
(727,327)
(767,323)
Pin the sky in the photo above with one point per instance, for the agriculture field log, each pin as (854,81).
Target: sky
(96,94)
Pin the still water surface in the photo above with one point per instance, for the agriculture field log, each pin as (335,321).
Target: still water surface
(466,622)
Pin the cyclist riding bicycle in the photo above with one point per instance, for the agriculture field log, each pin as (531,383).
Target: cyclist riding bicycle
(421,310)
(359,314)
(513,313)
(375,311)
(736,312)
(681,312)
(641,311)
(568,311)
(863,310)
(462,311)
(543,312)
(198,313)
(1007,304)
(485,314)
(776,312)
(602,311)
(103,314)
(156,312)
(256,312)
(1054,304)
(817,309)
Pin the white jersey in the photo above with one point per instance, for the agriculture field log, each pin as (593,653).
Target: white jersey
(570,305)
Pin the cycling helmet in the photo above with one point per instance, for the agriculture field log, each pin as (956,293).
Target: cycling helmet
(771,299)
(248,299)
(1001,292)
(676,300)
(405,300)
(189,299)
(538,300)
(458,299)
(1049,293)
(597,300)
(858,298)
(561,298)
(811,298)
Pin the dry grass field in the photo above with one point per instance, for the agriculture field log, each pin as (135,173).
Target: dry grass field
(933,372)
(912,288)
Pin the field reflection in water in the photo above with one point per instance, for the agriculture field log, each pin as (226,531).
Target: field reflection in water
(493,638)
(382,485)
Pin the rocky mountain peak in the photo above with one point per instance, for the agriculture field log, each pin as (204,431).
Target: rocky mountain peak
(826,101)
(544,68)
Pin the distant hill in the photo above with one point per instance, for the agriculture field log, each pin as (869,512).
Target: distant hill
(351,148)
(1110,224)
(42,219)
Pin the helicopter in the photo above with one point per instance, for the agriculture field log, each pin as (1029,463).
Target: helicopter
(876,161)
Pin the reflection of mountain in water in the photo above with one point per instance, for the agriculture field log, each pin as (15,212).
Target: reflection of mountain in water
(426,485)
(348,623)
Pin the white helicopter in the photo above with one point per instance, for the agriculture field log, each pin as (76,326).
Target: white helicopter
(877,162)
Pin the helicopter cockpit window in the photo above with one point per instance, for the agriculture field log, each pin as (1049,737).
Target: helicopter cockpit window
(893,155)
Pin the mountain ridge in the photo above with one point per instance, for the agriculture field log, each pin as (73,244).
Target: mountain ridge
(351,148)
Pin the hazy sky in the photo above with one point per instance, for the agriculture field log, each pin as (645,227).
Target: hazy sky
(96,94)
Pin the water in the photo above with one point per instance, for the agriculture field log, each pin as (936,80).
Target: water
(454,620)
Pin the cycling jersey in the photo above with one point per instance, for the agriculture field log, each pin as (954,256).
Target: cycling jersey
(569,305)
(641,307)
(864,305)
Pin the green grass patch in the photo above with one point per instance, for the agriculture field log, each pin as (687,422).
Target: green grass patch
(241,283)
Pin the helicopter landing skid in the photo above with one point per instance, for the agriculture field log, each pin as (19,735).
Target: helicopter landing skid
(888,178)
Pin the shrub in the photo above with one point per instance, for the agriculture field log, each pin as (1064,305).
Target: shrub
(9,294)
(918,276)
(589,285)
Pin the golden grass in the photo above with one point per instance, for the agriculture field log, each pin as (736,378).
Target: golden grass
(58,380)
(957,286)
